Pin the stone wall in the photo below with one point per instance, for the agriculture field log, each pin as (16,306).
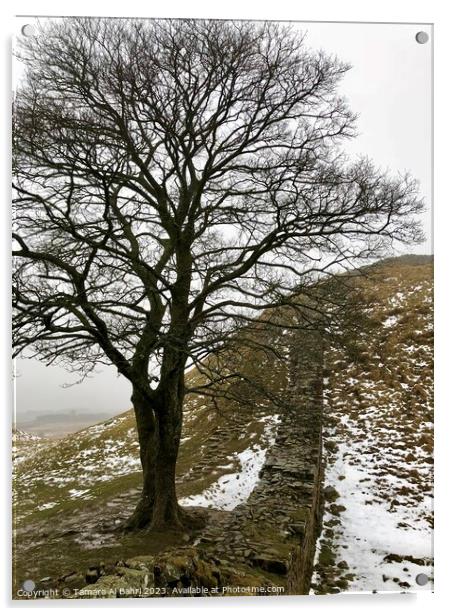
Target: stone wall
(275,531)
(269,540)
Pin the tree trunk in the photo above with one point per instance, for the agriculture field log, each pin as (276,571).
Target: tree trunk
(159,425)
(167,513)
(148,443)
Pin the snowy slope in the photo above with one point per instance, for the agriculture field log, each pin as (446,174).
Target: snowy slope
(377,533)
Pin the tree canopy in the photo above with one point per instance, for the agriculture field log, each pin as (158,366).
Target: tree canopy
(175,178)
(158,158)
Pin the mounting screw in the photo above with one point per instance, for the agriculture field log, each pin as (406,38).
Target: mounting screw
(421,37)
(28,30)
(421,579)
(29,586)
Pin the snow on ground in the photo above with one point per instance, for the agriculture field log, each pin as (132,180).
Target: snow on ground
(91,465)
(232,489)
(371,530)
(390,321)
(77,493)
(22,436)
(25,445)
(45,506)
(377,529)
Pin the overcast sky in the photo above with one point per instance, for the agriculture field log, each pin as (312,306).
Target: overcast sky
(389,86)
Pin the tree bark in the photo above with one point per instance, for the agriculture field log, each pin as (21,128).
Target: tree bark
(159,425)
(166,512)
(148,443)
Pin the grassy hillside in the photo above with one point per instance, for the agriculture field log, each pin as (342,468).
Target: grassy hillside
(72,495)
(378,432)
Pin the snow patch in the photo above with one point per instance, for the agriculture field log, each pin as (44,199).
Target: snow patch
(390,321)
(46,506)
(233,489)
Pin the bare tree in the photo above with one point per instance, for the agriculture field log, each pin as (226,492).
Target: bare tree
(172,179)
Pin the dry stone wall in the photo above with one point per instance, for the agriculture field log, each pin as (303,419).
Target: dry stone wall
(275,531)
(269,541)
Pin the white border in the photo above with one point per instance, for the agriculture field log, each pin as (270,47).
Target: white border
(414,11)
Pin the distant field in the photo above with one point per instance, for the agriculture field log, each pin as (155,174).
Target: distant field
(60,424)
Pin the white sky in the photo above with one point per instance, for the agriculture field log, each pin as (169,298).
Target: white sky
(389,85)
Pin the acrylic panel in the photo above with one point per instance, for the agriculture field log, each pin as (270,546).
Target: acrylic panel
(222,308)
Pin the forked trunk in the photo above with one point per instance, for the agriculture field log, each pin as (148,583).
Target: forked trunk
(159,425)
